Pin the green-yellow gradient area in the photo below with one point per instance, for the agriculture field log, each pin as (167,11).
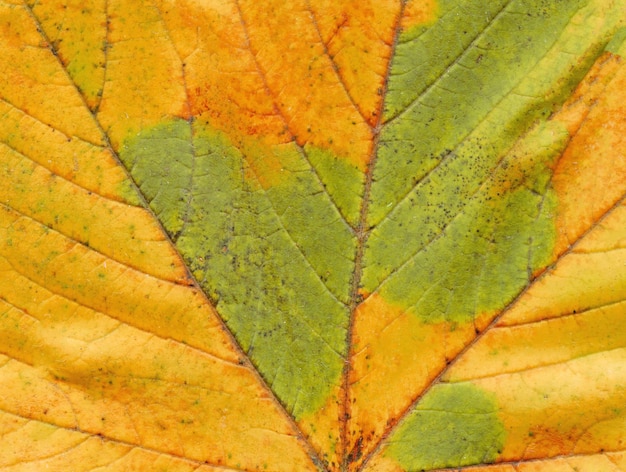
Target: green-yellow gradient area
(617,45)
(483,70)
(274,260)
(342,180)
(454,425)
(78,30)
(461,205)
(476,254)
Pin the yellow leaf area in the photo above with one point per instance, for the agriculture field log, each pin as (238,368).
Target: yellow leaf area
(555,359)
(112,356)
(607,462)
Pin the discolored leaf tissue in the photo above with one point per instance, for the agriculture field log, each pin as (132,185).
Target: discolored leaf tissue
(313,235)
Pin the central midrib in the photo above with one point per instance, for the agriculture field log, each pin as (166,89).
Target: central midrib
(362,232)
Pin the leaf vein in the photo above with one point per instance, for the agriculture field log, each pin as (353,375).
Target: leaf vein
(454,62)
(117,441)
(89,247)
(334,65)
(280,113)
(138,327)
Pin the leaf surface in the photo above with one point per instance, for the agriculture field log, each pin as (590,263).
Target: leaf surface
(341,236)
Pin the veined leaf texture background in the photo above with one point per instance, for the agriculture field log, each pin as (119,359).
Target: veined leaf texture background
(313,235)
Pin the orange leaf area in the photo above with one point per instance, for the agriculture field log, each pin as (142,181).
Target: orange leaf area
(544,419)
(127,409)
(419,13)
(210,62)
(358,38)
(302,85)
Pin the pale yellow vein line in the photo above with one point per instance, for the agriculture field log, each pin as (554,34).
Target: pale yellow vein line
(120,442)
(536,367)
(89,247)
(124,321)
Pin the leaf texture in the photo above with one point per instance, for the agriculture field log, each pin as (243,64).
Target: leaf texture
(313,235)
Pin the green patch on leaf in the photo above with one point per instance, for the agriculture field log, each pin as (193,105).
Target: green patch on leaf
(453,426)
(161,160)
(455,232)
(617,45)
(343,181)
(275,260)
(483,71)
(477,238)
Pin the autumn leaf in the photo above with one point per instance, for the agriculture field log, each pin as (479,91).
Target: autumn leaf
(313,235)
